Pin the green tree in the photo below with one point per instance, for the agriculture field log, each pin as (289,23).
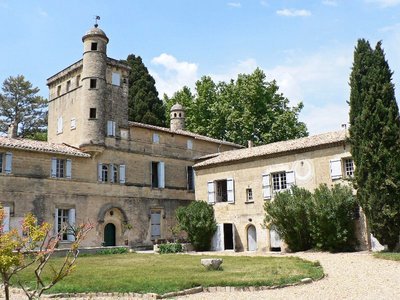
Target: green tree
(197,219)
(21,108)
(249,108)
(289,213)
(375,141)
(143,103)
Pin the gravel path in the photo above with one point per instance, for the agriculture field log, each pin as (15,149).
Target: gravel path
(348,276)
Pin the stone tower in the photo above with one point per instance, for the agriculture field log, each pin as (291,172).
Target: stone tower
(94,87)
(177,117)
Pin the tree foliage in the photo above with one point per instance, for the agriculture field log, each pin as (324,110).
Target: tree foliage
(249,108)
(34,247)
(322,220)
(197,219)
(143,103)
(21,107)
(375,141)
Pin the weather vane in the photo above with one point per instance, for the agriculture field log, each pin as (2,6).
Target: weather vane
(95,20)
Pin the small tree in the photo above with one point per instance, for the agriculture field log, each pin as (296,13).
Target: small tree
(21,108)
(332,219)
(289,213)
(34,247)
(198,221)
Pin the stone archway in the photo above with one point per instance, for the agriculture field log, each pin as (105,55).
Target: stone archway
(112,221)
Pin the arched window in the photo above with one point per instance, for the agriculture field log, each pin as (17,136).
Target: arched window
(104,173)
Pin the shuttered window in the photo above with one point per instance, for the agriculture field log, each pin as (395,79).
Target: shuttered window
(266,186)
(211,192)
(65,221)
(155,225)
(336,168)
(158,174)
(61,168)
(6,162)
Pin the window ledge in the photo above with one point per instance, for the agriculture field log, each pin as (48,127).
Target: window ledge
(250,202)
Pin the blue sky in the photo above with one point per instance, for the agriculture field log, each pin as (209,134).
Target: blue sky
(306,46)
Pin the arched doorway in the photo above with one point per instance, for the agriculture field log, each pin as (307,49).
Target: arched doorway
(109,235)
(251,238)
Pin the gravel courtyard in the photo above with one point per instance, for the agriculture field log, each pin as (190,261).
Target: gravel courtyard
(348,276)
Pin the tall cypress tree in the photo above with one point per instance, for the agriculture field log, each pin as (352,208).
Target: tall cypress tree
(143,103)
(375,140)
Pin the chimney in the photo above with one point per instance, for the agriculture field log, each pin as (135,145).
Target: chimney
(249,144)
(12,131)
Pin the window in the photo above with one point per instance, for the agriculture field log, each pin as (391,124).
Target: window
(190,178)
(92,113)
(110,128)
(73,123)
(280,182)
(341,167)
(189,144)
(5,162)
(68,85)
(59,125)
(124,134)
(93,83)
(59,90)
(61,168)
(93,46)
(349,167)
(111,173)
(116,79)
(156,138)
(65,222)
(249,195)
(78,80)
(221,191)
(155,218)
(157,174)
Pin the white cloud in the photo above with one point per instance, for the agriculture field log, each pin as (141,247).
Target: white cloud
(234,4)
(171,75)
(293,12)
(329,2)
(246,66)
(385,3)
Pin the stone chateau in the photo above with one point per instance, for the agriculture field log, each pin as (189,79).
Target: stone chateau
(125,177)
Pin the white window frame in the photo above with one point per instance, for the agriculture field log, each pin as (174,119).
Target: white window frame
(73,123)
(61,168)
(286,180)
(68,216)
(249,195)
(111,128)
(215,191)
(336,168)
(348,167)
(111,173)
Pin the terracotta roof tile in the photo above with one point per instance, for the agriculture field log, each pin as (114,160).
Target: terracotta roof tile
(275,148)
(185,133)
(38,146)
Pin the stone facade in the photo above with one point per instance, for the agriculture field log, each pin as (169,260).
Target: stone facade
(125,177)
(238,183)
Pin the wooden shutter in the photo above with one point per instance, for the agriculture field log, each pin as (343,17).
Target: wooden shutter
(230,188)
(111,173)
(68,170)
(56,221)
(211,192)
(161,174)
(71,225)
(336,168)
(6,220)
(53,167)
(122,174)
(99,172)
(290,179)
(155,225)
(8,165)
(109,128)
(266,186)
(60,125)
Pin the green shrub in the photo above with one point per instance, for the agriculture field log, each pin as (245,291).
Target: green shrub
(332,220)
(197,219)
(288,212)
(118,250)
(323,220)
(170,248)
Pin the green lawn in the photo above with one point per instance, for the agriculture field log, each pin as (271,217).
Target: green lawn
(388,255)
(144,273)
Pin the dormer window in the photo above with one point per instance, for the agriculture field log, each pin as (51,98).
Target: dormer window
(94,46)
